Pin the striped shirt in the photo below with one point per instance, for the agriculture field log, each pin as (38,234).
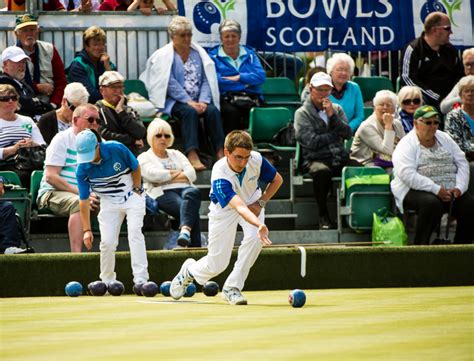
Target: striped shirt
(61,153)
(111,178)
(11,132)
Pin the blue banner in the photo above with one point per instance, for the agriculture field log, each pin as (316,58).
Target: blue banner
(316,25)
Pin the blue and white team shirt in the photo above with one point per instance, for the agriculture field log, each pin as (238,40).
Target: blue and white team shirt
(226,183)
(111,178)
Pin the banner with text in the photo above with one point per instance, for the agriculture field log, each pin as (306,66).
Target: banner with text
(315,25)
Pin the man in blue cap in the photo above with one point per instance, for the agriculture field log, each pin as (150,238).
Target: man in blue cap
(112,172)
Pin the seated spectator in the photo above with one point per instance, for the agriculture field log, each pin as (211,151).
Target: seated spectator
(146,6)
(55,121)
(45,72)
(239,72)
(346,93)
(181,80)
(58,190)
(410,99)
(9,232)
(85,6)
(320,128)
(14,62)
(453,98)
(118,121)
(379,134)
(168,177)
(91,62)
(430,169)
(16,131)
(307,80)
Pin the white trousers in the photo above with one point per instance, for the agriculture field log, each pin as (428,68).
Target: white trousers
(110,218)
(222,231)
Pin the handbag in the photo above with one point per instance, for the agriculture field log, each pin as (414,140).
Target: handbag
(285,137)
(388,229)
(30,158)
(243,100)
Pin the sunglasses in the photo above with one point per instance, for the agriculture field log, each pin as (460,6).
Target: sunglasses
(92,119)
(7,98)
(71,106)
(166,136)
(445,27)
(431,122)
(416,101)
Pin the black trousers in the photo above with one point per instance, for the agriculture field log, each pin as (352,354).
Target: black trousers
(233,117)
(430,208)
(322,172)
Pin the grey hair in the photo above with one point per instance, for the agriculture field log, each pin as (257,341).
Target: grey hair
(230,25)
(80,110)
(179,23)
(409,92)
(159,125)
(381,95)
(465,81)
(466,53)
(340,57)
(76,93)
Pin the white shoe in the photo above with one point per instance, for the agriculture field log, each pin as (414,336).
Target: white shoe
(14,250)
(233,296)
(181,280)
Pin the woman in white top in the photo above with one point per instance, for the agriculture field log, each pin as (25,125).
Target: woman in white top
(430,169)
(168,177)
(378,135)
(16,131)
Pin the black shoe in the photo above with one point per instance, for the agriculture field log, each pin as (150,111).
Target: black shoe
(325,223)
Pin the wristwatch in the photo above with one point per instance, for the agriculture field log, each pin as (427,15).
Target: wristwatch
(261,203)
(138,190)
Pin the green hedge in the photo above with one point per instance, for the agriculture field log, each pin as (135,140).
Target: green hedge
(276,268)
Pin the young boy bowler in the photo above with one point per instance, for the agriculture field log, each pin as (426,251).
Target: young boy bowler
(112,172)
(235,199)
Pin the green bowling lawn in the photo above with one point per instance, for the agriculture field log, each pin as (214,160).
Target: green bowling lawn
(344,324)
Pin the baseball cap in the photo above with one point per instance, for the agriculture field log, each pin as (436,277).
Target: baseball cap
(14,53)
(25,20)
(426,111)
(86,142)
(321,78)
(110,77)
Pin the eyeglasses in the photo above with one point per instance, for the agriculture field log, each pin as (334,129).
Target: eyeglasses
(416,101)
(166,136)
(71,106)
(92,119)
(445,27)
(469,65)
(7,98)
(240,158)
(430,122)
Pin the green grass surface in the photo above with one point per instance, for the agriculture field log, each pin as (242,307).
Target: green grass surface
(346,324)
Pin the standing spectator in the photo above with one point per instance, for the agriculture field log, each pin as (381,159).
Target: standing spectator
(431,62)
(379,134)
(55,121)
(45,73)
(111,171)
(85,6)
(346,93)
(409,100)
(16,131)
(146,6)
(236,199)
(168,177)
(91,62)
(430,169)
(320,128)
(14,62)
(58,190)
(9,232)
(453,98)
(118,121)
(239,72)
(181,80)
(48,5)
